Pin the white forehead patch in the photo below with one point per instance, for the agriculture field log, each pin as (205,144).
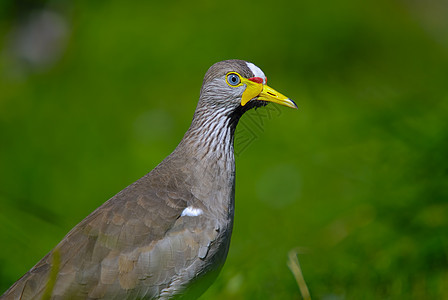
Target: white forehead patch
(257,71)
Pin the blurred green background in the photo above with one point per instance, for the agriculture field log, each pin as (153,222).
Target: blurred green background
(94,94)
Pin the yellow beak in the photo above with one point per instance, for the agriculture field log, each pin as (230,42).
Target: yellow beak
(259,91)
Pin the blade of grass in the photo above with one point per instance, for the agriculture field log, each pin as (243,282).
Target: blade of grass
(56,262)
(294,266)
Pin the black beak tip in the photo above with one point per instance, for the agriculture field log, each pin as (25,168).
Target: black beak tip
(293,103)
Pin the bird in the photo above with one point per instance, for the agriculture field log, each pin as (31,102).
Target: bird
(167,235)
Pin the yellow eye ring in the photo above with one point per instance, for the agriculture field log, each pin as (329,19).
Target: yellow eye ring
(233,79)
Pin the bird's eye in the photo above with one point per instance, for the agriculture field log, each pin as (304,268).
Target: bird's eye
(233,79)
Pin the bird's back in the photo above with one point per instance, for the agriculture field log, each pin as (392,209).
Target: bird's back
(137,245)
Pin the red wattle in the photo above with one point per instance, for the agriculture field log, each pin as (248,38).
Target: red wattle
(256,79)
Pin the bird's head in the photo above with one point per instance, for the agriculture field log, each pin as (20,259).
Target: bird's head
(237,86)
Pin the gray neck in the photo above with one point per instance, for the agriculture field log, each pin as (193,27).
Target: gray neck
(206,151)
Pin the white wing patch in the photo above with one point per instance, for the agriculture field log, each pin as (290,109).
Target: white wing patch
(190,211)
(257,71)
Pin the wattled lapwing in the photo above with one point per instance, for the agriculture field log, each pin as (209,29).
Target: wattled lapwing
(166,235)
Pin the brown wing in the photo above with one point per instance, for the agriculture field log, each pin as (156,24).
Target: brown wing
(133,246)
